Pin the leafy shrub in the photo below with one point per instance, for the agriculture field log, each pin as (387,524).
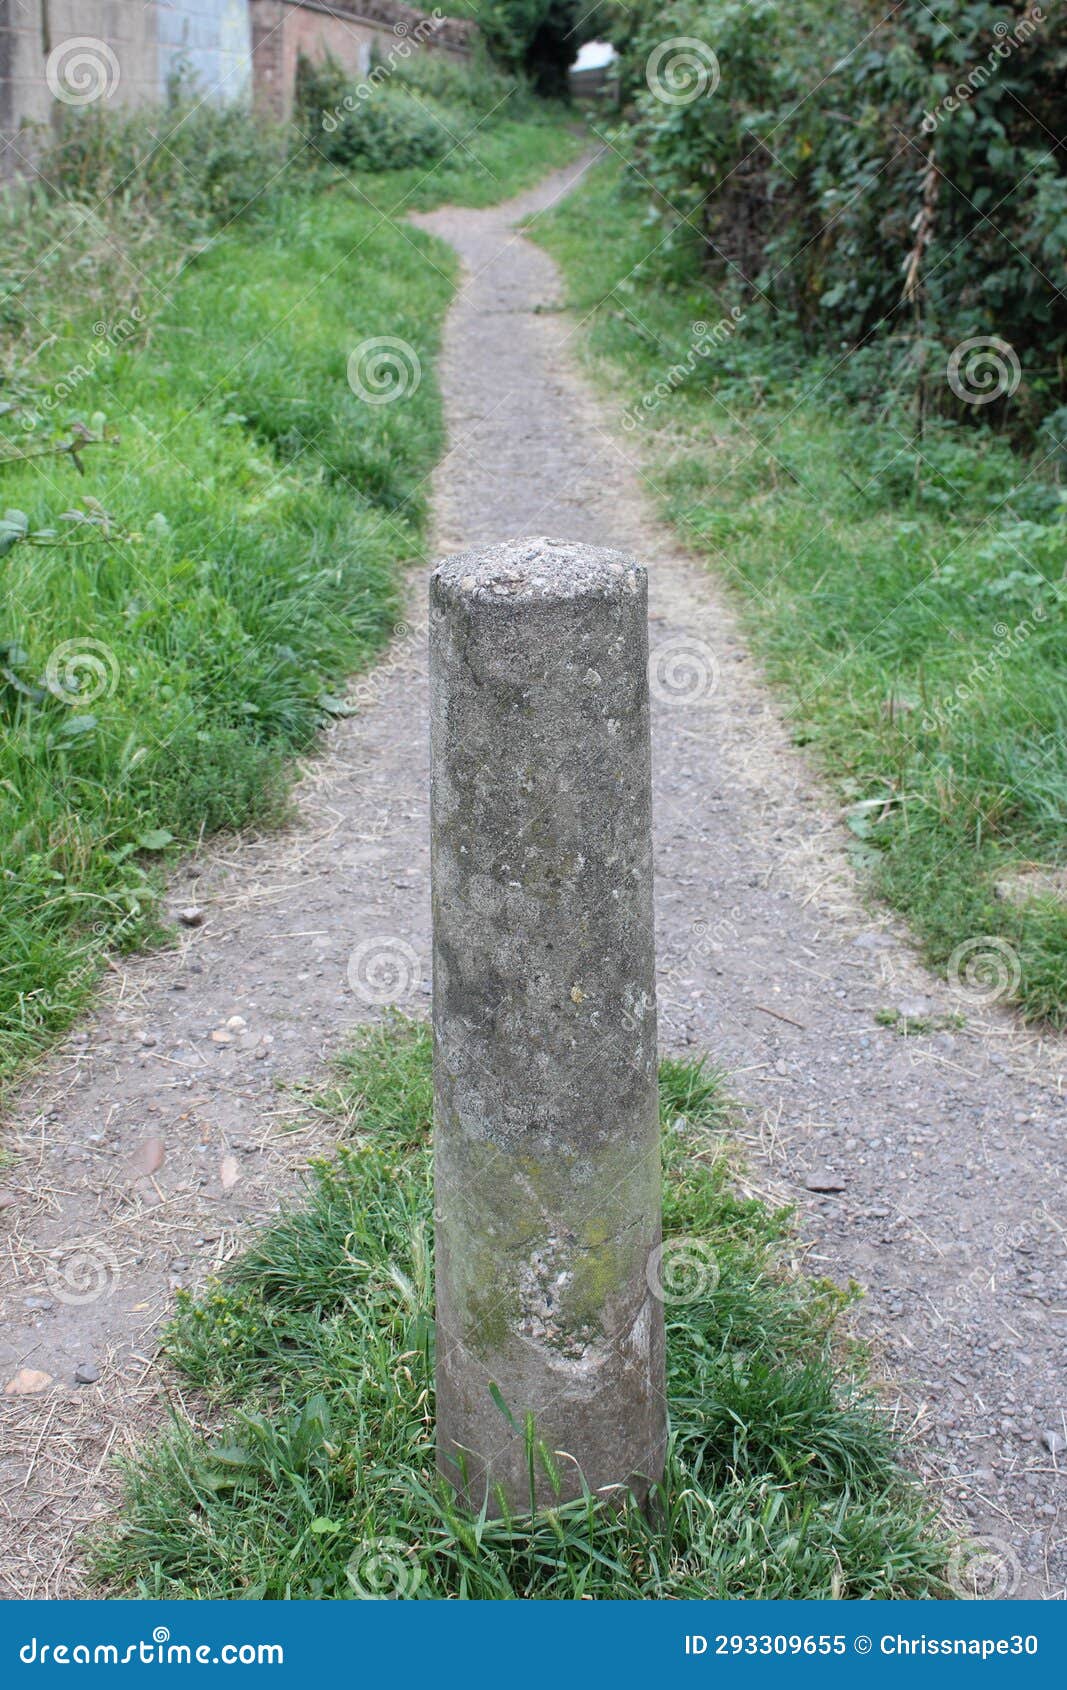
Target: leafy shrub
(377,128)
(881,177)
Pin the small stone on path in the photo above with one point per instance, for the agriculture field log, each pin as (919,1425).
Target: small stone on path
(27,1382)
(148,1157)
(823,1180)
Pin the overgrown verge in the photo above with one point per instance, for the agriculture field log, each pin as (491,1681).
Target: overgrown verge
(218,414)
(905,588)
(888,182)
(314,1474)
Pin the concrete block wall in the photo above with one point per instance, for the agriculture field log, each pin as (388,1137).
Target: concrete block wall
(124,52)
(212,38)
(87,43)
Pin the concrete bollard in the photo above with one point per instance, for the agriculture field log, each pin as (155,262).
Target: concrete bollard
(547,1166)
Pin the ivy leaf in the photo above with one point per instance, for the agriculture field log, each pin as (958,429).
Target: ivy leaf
(232,1455)
(156,839)
(76,727)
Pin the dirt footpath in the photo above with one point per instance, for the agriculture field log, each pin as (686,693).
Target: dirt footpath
(926,1167)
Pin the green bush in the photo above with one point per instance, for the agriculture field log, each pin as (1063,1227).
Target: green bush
(880,177)
(375,127)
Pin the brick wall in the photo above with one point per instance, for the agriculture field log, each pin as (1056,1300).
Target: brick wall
(345,30)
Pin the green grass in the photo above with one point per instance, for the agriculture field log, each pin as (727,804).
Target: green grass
(234,545)
(312,1474)
(907,593)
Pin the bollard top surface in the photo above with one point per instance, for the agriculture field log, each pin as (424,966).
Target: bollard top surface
(537,569)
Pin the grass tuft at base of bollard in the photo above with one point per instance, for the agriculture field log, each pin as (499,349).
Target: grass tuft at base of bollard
(308,1468)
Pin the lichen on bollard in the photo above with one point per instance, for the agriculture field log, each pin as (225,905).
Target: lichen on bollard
(546,1150)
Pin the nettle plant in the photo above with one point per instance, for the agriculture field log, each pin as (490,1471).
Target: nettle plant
(886,180)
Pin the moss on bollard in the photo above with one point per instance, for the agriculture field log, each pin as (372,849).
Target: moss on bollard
(546,1138)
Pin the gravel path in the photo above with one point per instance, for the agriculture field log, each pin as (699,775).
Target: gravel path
(925,1166)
